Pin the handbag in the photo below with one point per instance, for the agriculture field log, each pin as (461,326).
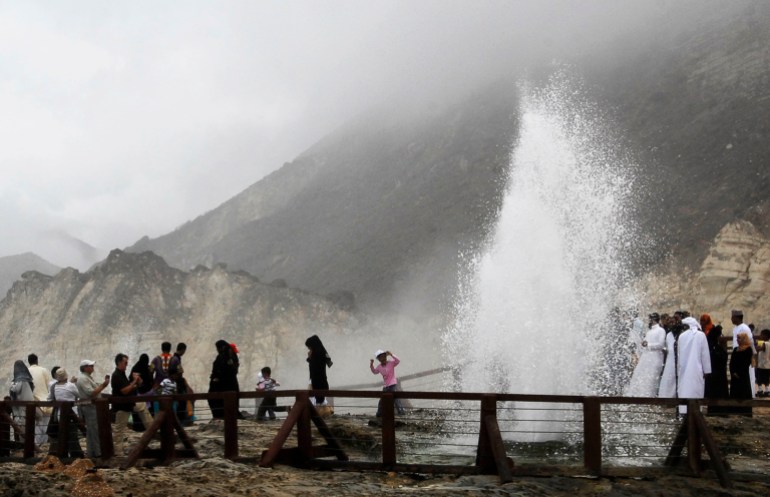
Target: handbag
(53,422)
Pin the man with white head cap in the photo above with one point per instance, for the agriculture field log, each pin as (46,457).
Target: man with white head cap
(689,356)
(89,389)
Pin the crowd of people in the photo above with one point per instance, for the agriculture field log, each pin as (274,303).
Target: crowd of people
(684,357)
(163,375)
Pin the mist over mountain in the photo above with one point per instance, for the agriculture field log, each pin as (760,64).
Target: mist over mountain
(382,207)
(385,206)
(13,266)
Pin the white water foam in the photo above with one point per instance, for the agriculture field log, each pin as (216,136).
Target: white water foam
(537,313)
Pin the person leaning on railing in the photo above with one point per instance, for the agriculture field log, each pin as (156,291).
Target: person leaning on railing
(88,389)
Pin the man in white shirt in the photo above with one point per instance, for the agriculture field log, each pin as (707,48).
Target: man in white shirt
(688,363)
(40,378)
(736,317)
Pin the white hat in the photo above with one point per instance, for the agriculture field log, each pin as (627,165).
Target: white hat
(86,362)
(378,353)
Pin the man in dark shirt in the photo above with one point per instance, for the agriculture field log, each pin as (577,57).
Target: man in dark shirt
(123,387)
(176,371)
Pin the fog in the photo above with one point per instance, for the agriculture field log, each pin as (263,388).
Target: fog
(127,119)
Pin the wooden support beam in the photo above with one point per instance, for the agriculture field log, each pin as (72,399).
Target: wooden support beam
(331,440)
(304,434)
(677,446)
(271,455)
(144,441)
(717,461)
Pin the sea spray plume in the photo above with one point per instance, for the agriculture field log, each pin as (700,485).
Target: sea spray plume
(534,313)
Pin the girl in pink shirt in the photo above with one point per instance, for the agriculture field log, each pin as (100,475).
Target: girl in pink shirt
(388,371)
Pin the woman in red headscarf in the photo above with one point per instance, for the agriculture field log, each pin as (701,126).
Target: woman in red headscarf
(716,382)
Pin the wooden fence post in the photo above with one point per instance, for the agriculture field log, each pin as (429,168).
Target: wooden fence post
(6,426)
(387,409)
(104,422)
(484,454)
(693,437)
(231,424)
(29,430)
(592,434)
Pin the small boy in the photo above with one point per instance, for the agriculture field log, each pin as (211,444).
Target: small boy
(388,371)
(267,384)
(168,386)
(763,364)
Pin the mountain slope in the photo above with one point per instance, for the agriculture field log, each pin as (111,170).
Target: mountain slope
(130,303)
(385,206)
(13,266)
(382,206)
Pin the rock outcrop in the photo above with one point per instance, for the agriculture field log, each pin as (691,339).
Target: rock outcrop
(734,275)
(130,303)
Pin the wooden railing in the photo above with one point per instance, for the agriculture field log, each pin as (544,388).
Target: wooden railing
(491,457)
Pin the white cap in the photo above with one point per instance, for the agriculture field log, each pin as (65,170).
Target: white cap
(86,362)
(378,353)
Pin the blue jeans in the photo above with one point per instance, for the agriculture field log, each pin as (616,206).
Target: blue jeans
(399,407)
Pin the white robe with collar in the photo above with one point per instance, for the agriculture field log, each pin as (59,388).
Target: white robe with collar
(644,382)
(692,364)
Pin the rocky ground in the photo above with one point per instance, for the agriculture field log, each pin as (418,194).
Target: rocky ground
(747,441)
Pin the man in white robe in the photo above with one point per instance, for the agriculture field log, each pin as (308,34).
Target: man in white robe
(690,353)
(644,382)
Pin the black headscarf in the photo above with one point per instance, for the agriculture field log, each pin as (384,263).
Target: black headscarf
(142,367)
(314,343)
(21,373)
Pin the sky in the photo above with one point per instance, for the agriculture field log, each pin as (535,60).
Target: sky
(125,119)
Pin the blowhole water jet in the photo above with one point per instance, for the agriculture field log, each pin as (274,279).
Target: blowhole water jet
(536,313)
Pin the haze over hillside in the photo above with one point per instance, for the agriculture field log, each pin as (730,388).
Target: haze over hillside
(382,206)
(12,267)
(385,206)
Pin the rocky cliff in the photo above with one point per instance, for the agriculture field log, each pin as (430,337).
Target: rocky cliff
(131,303)
(734,275)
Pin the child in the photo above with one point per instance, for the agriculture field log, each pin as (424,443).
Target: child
(763,364)
(267,384)
(388,371)
(168,386)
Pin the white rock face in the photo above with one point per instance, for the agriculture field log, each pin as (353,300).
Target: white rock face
(131,303)
(734,275)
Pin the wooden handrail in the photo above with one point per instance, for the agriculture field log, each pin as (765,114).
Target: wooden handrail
(490,451)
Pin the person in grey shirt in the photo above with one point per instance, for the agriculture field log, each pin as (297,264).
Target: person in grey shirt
(89,389)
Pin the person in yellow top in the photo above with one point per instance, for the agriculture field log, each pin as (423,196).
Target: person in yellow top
(41,379)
